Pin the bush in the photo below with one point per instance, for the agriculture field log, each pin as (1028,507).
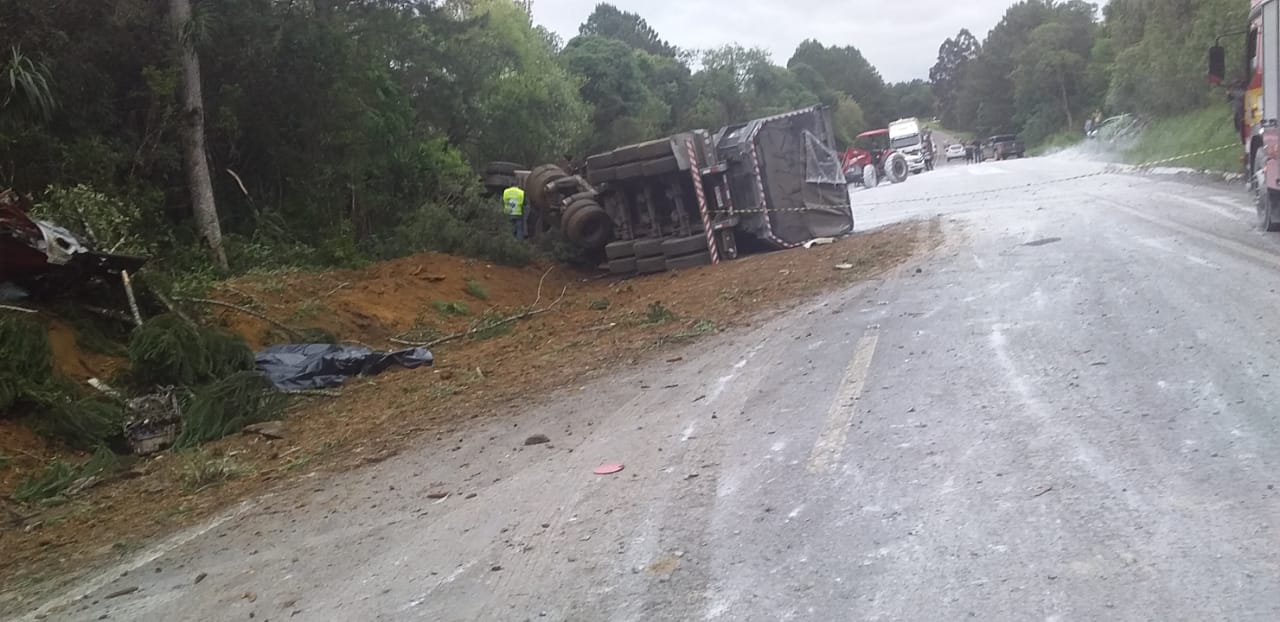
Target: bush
(201,470)
(51,483)
(477,290)
(27,362)
(226,406)
(1188,133)
(167,351)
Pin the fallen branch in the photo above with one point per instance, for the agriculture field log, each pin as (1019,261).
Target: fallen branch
(250,312)
(173,309)
(133,301)
(487,327)
(18,309)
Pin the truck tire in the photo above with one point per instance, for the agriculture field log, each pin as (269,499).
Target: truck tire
(1265,198)
(678,247)
(648,247)
(896,168)
(689,261)
(501,168)
(624,265)
(651,265)
(536,184)
(571,210)
(620,250)
(654,168)
(495,180)
(590,226)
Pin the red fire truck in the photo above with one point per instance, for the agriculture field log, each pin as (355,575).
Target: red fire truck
(1257,101)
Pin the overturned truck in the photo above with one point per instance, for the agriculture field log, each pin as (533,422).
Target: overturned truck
(695,198)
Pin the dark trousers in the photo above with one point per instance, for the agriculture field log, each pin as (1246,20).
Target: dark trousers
(518,227)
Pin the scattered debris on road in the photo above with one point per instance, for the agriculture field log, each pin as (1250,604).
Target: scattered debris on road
(609,469)
(537,439)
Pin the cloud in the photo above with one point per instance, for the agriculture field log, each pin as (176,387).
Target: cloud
(900,38)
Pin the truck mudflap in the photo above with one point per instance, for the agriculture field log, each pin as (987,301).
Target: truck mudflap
(786,179)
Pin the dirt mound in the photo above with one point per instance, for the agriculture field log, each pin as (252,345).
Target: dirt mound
(429,292)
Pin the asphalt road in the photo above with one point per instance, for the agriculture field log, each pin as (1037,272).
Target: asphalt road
(1064,413)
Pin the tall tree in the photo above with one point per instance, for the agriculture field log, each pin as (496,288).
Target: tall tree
(191,130)
(609,22)
(846,70)
(947,75)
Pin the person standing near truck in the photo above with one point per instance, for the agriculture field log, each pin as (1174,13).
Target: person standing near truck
(513,206)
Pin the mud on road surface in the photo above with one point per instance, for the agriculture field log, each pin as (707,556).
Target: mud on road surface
(442,416)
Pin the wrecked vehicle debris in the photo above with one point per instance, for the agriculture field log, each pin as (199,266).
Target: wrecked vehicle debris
(39,258)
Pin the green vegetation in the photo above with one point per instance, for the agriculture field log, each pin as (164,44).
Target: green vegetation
(657,315)
(167,351)
(200,470)
(698,329)
(600,304)
(1049,66)
(1189,133)
(477,290)
(59,476)
(489,325)
(226,406)
(448,308)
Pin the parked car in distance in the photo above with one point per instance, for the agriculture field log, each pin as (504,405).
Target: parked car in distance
(955,152)
(1003,147)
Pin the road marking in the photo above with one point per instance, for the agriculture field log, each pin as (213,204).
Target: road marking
(1231,245)
(830,444)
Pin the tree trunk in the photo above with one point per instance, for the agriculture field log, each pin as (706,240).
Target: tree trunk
(1066,103)
(191,128)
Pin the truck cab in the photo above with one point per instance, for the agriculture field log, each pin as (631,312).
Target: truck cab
(1255,96)
(905,138)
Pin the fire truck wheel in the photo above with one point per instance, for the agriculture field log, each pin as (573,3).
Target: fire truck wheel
(625,265)
(678,247)
(1265,197)
(648,247)
(589,226)
(689,261)
(650,265)
(620,250)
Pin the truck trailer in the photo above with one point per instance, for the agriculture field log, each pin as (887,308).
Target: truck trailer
(698,197)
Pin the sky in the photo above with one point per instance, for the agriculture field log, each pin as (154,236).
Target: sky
(899,37)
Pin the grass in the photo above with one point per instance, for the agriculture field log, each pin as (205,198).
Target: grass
(600,304)
(1187,133)
(49,485)
(201,470)
(489,325)
(449,308)
(698,329)
(477,290)
(657,315)
(1057,142)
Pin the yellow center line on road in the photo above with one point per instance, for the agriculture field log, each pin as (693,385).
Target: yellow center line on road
(835,433)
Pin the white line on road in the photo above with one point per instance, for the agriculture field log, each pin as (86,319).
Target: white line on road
(830,444)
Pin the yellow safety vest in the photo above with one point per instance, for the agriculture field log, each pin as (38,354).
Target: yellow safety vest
(513,201)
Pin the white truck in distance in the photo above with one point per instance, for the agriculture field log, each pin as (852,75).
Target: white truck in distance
(904,137)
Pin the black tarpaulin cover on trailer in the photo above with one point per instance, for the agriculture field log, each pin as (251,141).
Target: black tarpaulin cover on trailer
(296,367)
(806,190)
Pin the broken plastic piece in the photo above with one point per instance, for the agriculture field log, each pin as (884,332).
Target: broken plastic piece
(609,468)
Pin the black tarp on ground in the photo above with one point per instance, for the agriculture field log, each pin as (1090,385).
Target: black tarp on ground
(295,367)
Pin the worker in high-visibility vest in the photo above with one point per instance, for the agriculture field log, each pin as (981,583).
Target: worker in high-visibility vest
(513,205)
